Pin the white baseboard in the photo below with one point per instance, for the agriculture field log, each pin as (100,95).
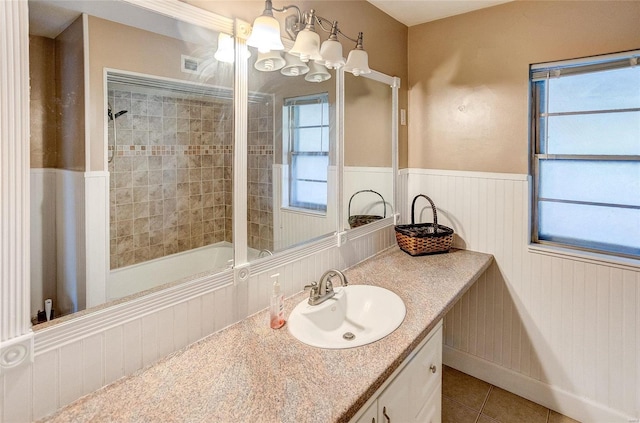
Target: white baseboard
(581,409)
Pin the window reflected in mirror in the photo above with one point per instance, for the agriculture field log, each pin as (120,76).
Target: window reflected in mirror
(292,176)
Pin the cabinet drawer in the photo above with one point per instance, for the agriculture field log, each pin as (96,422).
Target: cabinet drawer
(432,409)
(426,369)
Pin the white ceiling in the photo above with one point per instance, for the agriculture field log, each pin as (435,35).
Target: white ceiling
(414,12)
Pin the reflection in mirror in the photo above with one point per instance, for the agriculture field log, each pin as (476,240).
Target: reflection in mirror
(131,174)
(292,177)
(368,151)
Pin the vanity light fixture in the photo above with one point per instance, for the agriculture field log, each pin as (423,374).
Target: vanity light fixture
(317,73)
(270,61)
(225,51)
(266,33)
(294,66)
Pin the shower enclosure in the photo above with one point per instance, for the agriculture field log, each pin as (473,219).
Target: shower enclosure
(170,166)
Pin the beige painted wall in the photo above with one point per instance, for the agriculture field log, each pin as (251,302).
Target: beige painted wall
(70,93)
(367,127)
(468,76)
(42,101)
(385,39)
(121,47)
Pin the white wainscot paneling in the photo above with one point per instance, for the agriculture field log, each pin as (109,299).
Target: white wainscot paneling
(562,331)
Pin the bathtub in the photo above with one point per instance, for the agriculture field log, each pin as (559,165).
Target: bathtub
(150,274)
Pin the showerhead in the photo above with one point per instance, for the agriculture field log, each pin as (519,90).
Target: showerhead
(117,115)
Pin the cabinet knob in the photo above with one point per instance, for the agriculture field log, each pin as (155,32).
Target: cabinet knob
(433,368)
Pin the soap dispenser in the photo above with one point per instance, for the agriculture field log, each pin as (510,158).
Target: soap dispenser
(276,310)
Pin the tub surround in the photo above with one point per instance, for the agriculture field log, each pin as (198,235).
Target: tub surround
(249,372)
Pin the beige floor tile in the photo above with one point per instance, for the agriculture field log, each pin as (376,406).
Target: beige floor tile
(463,388)
(485,419)
(559,418)
(454,412)
(507,408)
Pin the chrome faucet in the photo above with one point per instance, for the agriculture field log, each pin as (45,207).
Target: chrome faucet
(321,292)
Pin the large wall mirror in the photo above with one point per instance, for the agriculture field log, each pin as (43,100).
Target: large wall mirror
(369,132)
(131,152)
(292,172)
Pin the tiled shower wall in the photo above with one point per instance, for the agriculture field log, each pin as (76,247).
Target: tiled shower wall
(260,179)
(171,176)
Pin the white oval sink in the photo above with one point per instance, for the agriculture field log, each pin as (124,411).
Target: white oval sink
(369,313)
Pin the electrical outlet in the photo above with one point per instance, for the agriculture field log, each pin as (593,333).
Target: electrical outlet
(403,116)
(343,238)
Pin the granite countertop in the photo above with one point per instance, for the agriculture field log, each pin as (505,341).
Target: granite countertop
(249,372)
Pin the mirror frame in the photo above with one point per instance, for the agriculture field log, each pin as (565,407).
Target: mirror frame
(18,342)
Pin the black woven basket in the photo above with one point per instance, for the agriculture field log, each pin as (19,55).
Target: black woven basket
(419,239)
(362,219)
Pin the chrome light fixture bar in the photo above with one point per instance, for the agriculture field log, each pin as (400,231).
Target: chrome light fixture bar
(265,36)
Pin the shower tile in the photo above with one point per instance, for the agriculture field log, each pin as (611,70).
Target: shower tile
(124,244)
(140,163)
(169,162)
(124,212)
(182,138)
(170,124)
(123,164)
(168,109)
(156,251)
(155,238)
(182,125)
(155,192)
(207,200)
(207,214)
(170,219)
(195,138)
(184,231)
(138,105)
(207,174)
(154,108)
(182,189)
(126,259)
(208,238)
(155,162)
(183,162)
(123,196)
(141,210)
(195,125)
(140,137)
(142,254)
(140,178)
(183,216)
(156,123)
(197,241)
(170,248)
(182,204)
(156,208)
(124,228)
(170,138)
(195,188)
(207,126)
(195,216)
(195,202)
(141,240)
(156,223)
(141,225)
(182,111)
(207,112)
(184,245)
(156,177)
(140,123)
(195,175)
(195,112)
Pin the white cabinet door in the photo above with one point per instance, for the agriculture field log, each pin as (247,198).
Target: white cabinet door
(431,411)
(371,415)
(394,402)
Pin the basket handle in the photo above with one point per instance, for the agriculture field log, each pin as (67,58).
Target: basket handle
(384,204)
(433,208)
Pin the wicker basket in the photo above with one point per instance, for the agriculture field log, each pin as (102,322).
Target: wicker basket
(362,219)
(419,239)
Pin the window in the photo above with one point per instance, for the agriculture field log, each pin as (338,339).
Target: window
(586,154)
(306,139)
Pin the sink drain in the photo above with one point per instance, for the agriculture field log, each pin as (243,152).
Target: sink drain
(349,336)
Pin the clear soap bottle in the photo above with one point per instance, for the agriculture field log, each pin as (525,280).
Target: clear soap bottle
(276,309)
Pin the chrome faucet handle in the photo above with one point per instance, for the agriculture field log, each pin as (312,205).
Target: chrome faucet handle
(312,285)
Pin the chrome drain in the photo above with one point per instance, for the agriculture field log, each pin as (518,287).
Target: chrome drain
(349,336)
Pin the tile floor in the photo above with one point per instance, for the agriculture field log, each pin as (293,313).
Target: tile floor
(466,399)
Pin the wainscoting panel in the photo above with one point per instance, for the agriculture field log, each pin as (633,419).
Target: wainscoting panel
(559,329)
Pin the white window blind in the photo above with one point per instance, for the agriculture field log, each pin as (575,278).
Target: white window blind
(586,154)
(307,142)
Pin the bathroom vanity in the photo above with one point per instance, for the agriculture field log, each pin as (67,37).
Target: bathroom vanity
(249,372)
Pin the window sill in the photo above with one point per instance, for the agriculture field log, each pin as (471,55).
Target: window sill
(586,256)
(303,211)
